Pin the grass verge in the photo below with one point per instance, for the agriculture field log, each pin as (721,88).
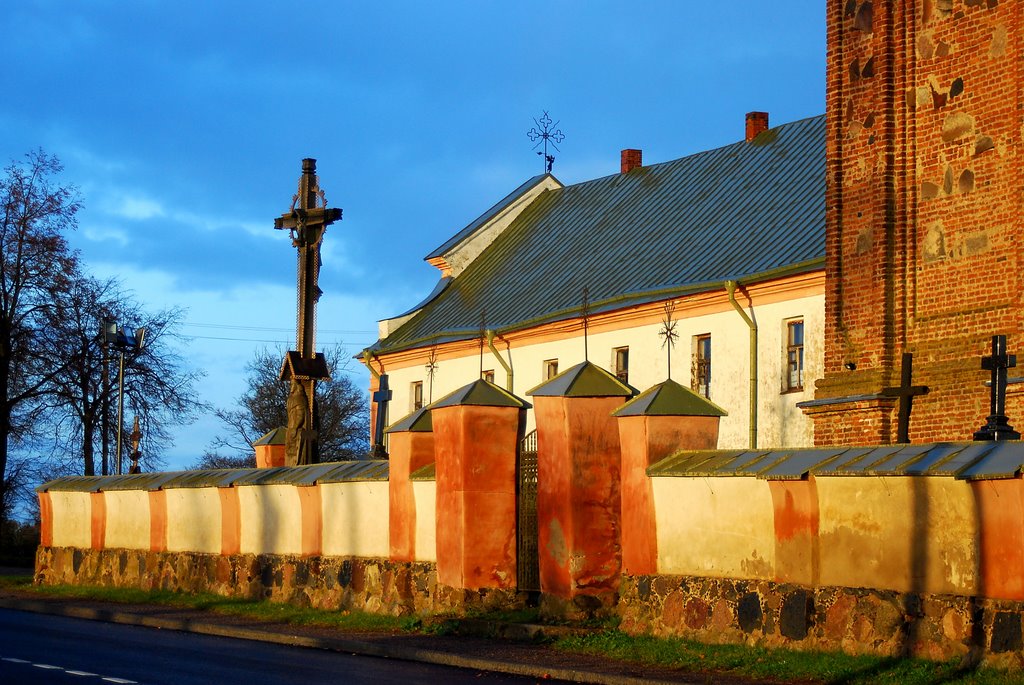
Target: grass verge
(780,664)
(754,662)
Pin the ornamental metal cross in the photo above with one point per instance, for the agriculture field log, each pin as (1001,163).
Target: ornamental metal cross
(382,396)
(906,393)
(306,223)
(585,315)
(547,134)
(998,425)
(669,333)
(431,368)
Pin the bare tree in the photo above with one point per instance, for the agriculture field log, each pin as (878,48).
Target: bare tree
(35,265)
(157,386)
(344,412)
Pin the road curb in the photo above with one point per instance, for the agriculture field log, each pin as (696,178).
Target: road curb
(350,646)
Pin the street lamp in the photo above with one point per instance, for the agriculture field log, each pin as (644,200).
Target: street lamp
(123,340)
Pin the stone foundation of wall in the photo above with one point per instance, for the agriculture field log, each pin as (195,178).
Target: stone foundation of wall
(857,621)
(374,585)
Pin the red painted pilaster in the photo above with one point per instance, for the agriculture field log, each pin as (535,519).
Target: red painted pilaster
(578,500)
(312,520)
(795,503)
(98,503)
(1000,508)
(409,451)
(45,520)
(475,449)
(230,521)
(157,521)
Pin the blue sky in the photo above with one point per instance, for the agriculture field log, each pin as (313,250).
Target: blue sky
(184,124)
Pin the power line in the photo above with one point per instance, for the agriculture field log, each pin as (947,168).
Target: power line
(274,342)
(269,329)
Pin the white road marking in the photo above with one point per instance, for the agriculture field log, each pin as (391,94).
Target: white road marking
(49,667)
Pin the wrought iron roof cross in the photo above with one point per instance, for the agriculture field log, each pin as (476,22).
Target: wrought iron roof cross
(669,333)
(431,368)
(585,315)
(546,133)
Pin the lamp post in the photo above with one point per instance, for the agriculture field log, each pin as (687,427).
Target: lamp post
(123,341)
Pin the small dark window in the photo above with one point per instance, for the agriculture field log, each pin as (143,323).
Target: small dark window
(488,375)
(622,363)
(550,368)
(795,355)
(417,395)
(701,380)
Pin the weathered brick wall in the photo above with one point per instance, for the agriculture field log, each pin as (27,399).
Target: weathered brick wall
(923,209)
(718,610)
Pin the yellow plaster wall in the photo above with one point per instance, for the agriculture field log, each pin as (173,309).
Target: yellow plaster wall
(193,520)
(898,533)
(128,523)
(72,519)
(355,519)
(271,517)
(719,527)
(780,422)
(425,493)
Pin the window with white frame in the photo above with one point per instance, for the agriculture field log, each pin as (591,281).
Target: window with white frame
(488,375)
(794,374)
(700,380)
(550,369)
(416,395)
(620,363)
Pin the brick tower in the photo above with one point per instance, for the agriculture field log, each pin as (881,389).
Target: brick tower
(924,193)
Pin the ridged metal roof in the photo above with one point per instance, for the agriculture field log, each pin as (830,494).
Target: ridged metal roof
(734,213)
(328,472)
(960,460)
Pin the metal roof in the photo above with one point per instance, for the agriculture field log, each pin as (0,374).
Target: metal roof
(739,212)
(960,460)
(583,380)
(417,422)
(480,393)
(329,472)
(669,399)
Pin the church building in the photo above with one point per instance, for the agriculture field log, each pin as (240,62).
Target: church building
(713,264)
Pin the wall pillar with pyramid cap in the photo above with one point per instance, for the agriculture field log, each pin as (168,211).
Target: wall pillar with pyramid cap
(477,430)
(270,449)
(663,419)
(412,447)
(578,506)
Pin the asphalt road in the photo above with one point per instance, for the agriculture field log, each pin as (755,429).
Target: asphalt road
(36,648)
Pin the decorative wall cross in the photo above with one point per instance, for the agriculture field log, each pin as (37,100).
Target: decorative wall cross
(382,396)
(998,425)
(669,333)
(585,315)
(906,392)
(431,367)
(546,133)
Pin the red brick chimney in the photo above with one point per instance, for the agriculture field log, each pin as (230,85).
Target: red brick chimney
(632,159)
(757,122)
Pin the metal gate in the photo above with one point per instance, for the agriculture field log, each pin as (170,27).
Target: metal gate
(528,568)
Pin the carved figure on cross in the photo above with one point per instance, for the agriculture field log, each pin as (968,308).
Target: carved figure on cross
(306,223)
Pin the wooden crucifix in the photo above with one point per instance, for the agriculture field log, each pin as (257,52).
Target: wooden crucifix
(306,223)
(906,393)
(998,425)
